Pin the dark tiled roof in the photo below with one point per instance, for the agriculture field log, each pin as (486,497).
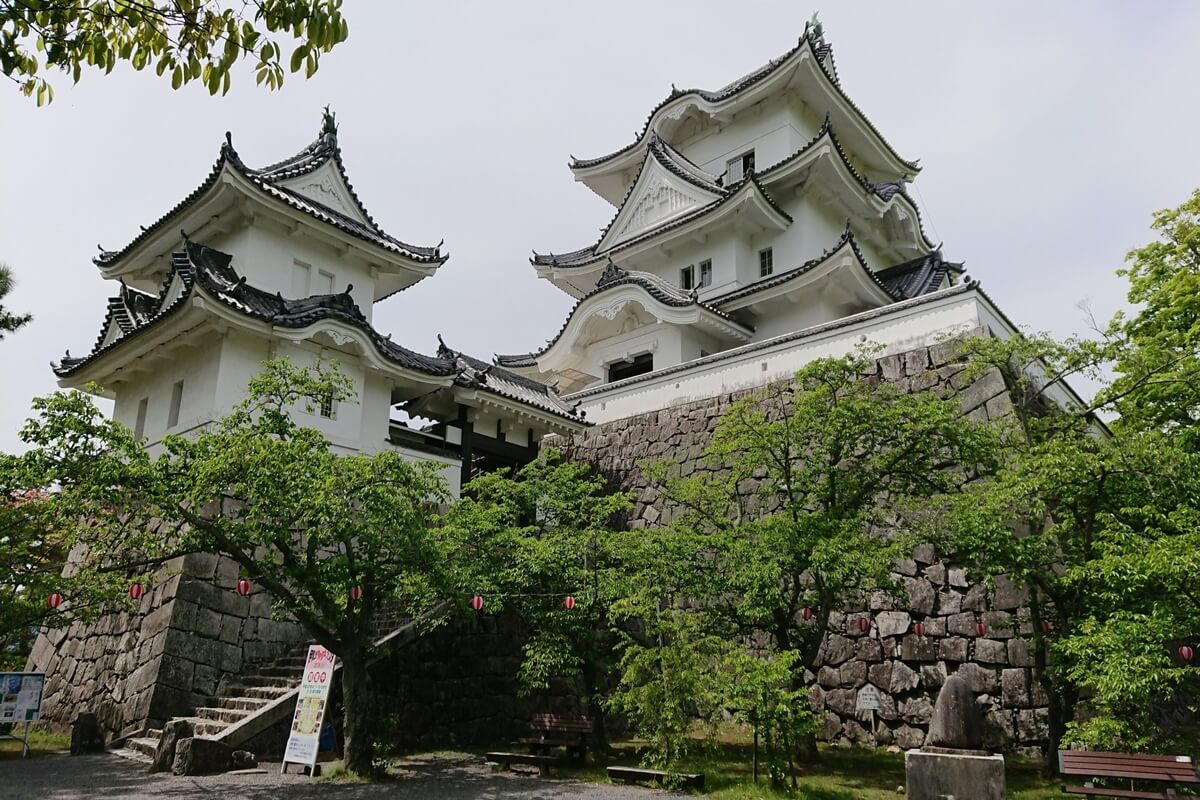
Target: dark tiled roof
(919,276)
(660,289)
(590,255)
(198,265)
(824,60)
(791,274)
(476,374)
(322,151)
(885,191)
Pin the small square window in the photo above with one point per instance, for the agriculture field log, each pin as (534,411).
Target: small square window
(687,277)
(328,406)
(705,273)
(766,262)
(176,402)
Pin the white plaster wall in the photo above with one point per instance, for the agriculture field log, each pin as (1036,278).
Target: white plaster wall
(903,329)
(663,340)
(774,129)
(265,255)
(196,367)
(376,409)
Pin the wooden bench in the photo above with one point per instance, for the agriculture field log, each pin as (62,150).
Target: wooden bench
(543,763)
(569,731)
(1173,771)
(688,780)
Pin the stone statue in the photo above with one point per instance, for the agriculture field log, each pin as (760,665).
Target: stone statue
(956,722)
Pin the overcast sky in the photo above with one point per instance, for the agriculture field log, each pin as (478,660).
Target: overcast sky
(1048,133)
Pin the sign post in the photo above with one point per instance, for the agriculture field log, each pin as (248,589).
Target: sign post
(867,703)
(21,702)
(304,739)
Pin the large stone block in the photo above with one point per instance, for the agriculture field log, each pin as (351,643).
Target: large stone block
(892,623)
(979,679)
(1014,688)
(962,624)
(1008,595)
(920,595)
(196,756)
(938,776)
(903,678)
(1020,653)
(990,651)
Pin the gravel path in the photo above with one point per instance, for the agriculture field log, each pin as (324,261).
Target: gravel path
(445,777)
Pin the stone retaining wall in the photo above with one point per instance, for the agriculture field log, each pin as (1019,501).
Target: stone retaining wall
(137,668)
(908,671)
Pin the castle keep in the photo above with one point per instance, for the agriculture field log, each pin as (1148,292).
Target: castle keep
(755,227)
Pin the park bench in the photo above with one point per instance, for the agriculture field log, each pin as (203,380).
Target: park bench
(569,731)
(686,780)
(543,763)
(1145,769)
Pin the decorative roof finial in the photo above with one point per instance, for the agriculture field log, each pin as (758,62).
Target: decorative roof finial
(328,123)
(184,234)
(814,25)
(229,139)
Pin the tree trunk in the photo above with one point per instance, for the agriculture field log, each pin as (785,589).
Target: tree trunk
(360,712)
(595,708)
(1060,711)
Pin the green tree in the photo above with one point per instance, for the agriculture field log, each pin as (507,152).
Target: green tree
(9,322)
(187,40)
(801,505)
(527,542)
(1080,518)
(1157,348)
(303,523)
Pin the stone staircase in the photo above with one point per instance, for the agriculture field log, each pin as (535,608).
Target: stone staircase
(244,697)
(249,704)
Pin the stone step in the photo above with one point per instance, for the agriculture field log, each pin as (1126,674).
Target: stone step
(281,670)
(241,703)
(228,715)
(267,693)
(278,681)
(130,754)
(153,733)
(143,745)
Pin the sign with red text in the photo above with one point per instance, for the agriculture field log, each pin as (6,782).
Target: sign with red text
(313,694)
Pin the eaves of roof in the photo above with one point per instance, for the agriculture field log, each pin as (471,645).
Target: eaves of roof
(616,277)
(267,179)
(590,255)
(741,85)
(211,270)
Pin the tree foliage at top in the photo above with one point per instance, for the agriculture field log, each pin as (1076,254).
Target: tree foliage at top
(1157,354)
(181,40)
(303,522)
(9,322)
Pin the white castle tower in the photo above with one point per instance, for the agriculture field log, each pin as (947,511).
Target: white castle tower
(286,261)
(757,227)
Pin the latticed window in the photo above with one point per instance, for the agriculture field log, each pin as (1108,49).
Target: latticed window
(705,273)
(766,262)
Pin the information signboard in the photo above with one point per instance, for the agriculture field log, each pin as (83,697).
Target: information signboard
(21,702)
(312,696)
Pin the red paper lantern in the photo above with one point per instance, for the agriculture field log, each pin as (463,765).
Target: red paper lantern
(1186,652)
(919,629)
(569,602)
(136,591)
(980,629)
(54,600)
(477,602)
(243,587)
(864,624)
(355,592)
(1046,626)
(806,612)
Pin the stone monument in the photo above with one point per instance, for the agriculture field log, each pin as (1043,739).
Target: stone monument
(952,765)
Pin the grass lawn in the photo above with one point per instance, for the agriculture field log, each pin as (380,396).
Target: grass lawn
(40,743)
(842,774)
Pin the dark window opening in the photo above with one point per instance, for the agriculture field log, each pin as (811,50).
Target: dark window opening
(687,277)
(639,365)
(766,262)
(738,168)
(705,273)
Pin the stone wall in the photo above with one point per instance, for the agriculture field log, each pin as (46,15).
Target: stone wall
(457,686)
(137,668)
(907,670)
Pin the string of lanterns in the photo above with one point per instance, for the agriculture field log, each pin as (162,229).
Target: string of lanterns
(244,587)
